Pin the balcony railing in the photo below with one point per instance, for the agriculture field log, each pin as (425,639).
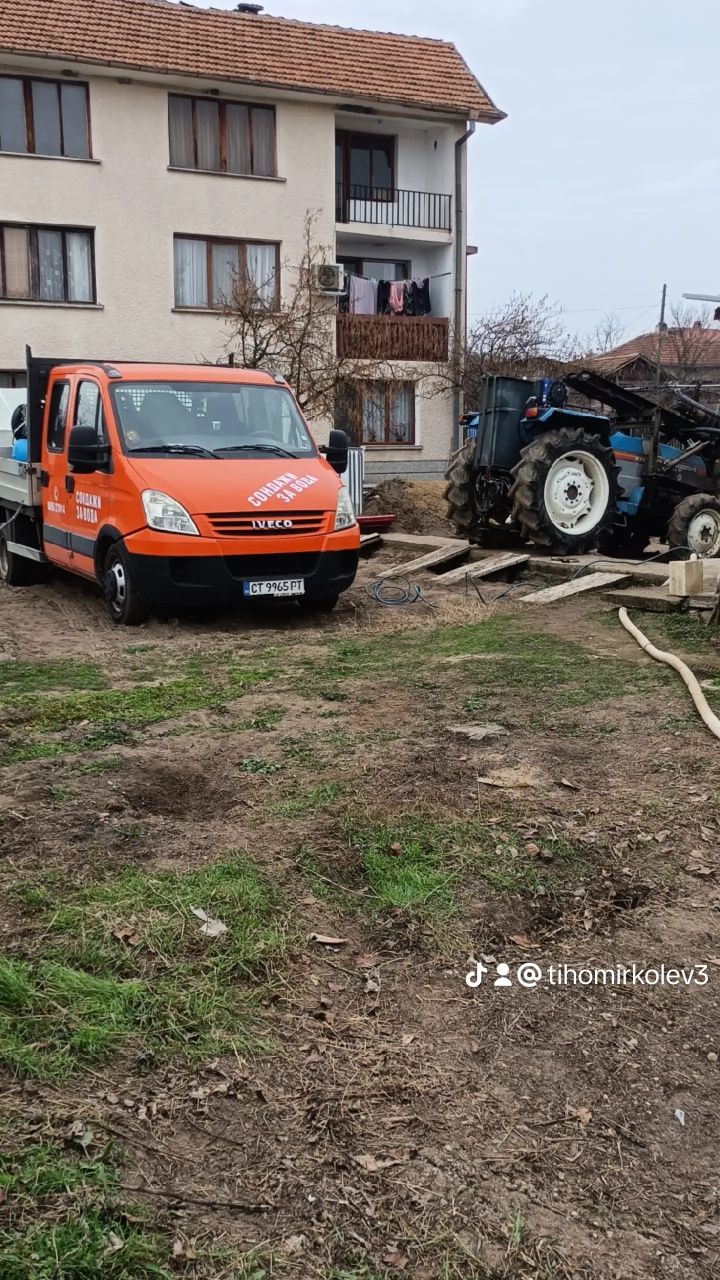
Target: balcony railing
(429,210)
(392,337)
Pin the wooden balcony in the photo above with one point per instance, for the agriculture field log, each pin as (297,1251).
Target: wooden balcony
(392,337)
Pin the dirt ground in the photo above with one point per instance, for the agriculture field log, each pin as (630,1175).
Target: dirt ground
(418,506)
(377,1117)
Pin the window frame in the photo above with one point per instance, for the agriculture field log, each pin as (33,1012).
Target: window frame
(62,385)
(353,263)
(30,131)
(360,387)
(32,229)
(222,104)
(242,245)
(346,138)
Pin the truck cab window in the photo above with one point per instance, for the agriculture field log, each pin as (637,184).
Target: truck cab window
(57,416)
(89,411)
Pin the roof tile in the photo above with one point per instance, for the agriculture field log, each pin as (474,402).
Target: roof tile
(258,49)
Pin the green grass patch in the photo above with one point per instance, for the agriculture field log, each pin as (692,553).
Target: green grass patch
(404,867)
(256,764)
(265,719)
(20,678)
(17,752)
(311,801)
(126,964)
(65,1218)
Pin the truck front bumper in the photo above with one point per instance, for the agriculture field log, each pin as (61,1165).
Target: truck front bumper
(192,581)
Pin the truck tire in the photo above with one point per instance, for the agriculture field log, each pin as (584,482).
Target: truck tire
(121,599)
(16,571)
(695,526)
(565,490)
(459,493)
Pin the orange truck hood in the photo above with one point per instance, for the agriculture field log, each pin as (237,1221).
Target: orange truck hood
(205,485)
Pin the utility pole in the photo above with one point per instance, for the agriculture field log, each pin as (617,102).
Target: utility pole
(652,460)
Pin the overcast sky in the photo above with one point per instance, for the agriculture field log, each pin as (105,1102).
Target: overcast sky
(604,181)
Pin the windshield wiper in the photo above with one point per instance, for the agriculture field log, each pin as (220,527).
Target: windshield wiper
(196,450)
(258,448)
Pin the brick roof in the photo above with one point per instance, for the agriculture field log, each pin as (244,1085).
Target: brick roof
(157,35)
(678,348)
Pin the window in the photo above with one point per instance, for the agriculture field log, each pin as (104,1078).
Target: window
(46,264)
(222,137)
(57,416)
(89,410)
(206,271)
(377,268)
(380,413)
(13,378)
(365,161)
(44,118)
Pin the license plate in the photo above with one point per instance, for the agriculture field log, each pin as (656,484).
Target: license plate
(275,587)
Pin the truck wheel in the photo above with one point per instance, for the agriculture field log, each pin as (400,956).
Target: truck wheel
(122,601)
(565,490)
(695,524)
(16,571)
(459,492)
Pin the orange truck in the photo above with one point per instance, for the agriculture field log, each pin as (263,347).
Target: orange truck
(172,486)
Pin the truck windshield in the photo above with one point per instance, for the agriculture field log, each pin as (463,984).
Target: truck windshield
(210,419)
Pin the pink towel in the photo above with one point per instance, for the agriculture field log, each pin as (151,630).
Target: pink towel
(397,297)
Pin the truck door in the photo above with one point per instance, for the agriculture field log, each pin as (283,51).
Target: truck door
(54,494)
(76,503)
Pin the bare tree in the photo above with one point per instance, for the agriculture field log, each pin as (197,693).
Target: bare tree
(684,348)
(298,338)
(608,333)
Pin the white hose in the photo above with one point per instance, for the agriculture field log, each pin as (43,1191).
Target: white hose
(696,693)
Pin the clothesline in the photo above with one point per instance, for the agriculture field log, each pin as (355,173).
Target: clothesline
(367,296)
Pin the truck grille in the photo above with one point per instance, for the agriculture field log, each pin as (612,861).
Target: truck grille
(235,524)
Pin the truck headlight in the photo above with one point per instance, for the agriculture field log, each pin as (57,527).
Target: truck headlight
(164,513)
(344,515)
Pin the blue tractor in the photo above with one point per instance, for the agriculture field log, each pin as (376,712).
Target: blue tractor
(572,479)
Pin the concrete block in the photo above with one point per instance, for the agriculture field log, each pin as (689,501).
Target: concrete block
(686,578)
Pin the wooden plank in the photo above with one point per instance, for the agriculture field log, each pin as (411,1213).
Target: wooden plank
(590,582)
(452,551)
(481,568)
(369,540)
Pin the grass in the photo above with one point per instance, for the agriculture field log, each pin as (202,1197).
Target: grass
(112,714)
(19,678)
(311,801)
(65,1219)
(168,991)
(256,764)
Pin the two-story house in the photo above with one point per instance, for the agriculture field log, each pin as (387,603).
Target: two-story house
(151,152)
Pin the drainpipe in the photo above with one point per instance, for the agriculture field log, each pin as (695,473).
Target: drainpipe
(460,267)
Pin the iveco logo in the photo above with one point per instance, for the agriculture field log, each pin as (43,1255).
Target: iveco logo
(272,524)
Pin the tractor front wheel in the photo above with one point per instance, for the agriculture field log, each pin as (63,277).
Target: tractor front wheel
(565,490)
(695,527)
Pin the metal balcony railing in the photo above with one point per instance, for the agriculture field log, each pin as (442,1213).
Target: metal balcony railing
(392,337)
(394,207)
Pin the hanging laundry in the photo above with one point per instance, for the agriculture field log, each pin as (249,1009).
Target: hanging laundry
(383,297)
(397,297)
(420,297)
(363,296)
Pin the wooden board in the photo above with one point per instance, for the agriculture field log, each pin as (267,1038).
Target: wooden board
(448,552)
(590,582)
(481,568)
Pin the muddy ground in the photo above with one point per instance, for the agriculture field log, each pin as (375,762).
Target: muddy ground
(372,1117)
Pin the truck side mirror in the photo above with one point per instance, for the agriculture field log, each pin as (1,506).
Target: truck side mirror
(336,451)
(85,452)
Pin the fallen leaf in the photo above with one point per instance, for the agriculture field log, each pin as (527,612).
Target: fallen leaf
(582,1114)
(127,933)
(396,1259)
(368,961)
(294,1244)
(210,928)
(325,941)
(182,1250)
(680,1116)
(408,1039)
(372,986)
(522,940)
(114,1244)
(371,1164)
(81,1134)
(565,782)
(532,849)
(395,848)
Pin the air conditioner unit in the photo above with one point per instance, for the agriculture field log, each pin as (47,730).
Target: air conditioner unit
(330,277)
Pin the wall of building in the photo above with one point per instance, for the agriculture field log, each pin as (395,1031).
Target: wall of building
(136,205)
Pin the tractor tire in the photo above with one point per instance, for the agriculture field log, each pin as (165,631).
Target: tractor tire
(565,490)
(695,526)
(459,493)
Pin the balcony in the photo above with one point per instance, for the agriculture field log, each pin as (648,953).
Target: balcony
(392,338)
(381,206)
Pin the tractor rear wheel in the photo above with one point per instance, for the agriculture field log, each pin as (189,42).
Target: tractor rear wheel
(695,526)
(459,492)
(565,490)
